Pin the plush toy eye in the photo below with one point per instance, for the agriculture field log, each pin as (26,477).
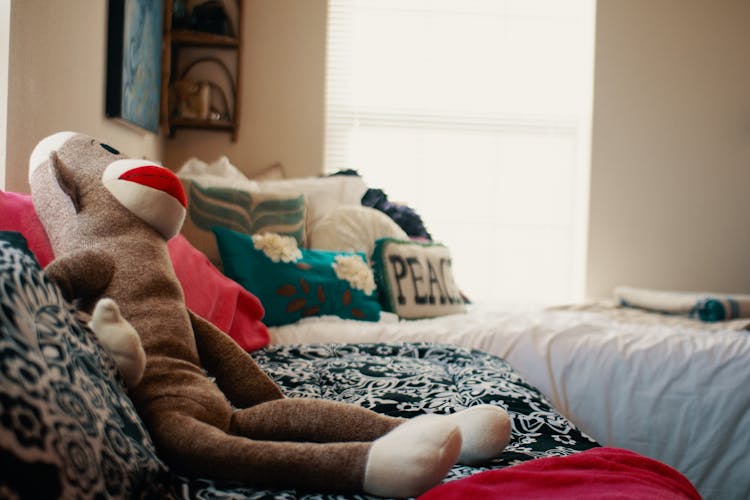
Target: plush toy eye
(110,149)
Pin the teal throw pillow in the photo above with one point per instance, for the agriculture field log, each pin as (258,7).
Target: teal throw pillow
(294,283)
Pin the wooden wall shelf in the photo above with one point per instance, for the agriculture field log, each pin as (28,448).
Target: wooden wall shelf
(197,38)
(178,53)
(180,122)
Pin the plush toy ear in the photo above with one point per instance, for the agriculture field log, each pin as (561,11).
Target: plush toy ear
(65,179)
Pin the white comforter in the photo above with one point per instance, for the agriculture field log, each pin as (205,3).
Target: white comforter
(677,393)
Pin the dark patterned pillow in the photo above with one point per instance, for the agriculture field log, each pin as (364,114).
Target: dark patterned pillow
(67,428)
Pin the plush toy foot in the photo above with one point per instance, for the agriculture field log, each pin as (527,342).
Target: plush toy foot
(485,432)
(413,457)
(120,339)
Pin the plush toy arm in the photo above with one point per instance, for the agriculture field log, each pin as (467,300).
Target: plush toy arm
(82,275)
(238,376)
(120,339)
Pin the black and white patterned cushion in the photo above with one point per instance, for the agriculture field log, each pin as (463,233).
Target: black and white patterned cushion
(68,428)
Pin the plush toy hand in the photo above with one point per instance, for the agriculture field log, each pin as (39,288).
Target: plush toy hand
(120,339)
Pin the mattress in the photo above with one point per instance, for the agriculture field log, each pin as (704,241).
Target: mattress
(669,388)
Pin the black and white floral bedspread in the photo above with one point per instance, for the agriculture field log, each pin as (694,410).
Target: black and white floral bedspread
(68,429)
(406,380)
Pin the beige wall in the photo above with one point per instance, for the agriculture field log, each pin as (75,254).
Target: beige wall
(4,45)
(283,91)
(57,77)
(671,146)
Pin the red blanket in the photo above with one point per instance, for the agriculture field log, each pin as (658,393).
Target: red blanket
(593,474)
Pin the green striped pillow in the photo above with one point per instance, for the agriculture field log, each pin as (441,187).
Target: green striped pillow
(242,211)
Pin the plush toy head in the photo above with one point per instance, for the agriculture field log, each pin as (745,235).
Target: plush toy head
(69,170)
(80,168)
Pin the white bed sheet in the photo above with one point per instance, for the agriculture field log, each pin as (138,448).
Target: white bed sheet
(676,393)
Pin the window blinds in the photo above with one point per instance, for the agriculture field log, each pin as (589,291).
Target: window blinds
(476,113)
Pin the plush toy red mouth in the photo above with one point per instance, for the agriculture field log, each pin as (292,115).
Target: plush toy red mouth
(157,178)
(150,191)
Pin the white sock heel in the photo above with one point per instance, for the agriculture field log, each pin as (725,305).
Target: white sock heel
(413,457)
(485,432)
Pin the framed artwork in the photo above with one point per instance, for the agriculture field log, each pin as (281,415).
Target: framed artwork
(134,61)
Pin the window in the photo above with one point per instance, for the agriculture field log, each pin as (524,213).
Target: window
(477,114)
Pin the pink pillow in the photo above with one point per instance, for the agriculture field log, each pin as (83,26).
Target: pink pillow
(215,297)
(17,214)
(208,293)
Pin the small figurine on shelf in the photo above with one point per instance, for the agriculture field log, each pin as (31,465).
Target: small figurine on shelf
(180,15)
(193,99)
(211,17)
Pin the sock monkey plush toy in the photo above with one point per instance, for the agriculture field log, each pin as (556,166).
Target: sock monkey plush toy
(108,218)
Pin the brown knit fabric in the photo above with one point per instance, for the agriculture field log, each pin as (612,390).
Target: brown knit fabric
(103,249)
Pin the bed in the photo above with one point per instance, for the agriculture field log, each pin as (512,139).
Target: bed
(546,367)
(673,389)
(69,430)
(662,385)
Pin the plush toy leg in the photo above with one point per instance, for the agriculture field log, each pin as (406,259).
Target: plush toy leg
(413,457)
(407,456)
(200,449)
(120,339)
(485,431)
(313,420)
(237,375)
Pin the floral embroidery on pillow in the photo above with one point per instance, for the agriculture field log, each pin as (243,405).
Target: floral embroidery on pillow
(277,247)
(356,271)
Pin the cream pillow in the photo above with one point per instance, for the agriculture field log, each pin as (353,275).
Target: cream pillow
(273,172)
(323,194)
(353,229)
(220,173)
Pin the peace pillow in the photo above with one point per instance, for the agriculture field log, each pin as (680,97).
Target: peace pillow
(415,280)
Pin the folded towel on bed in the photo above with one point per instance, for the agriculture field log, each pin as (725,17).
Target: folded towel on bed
(595,473)
(704,306)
